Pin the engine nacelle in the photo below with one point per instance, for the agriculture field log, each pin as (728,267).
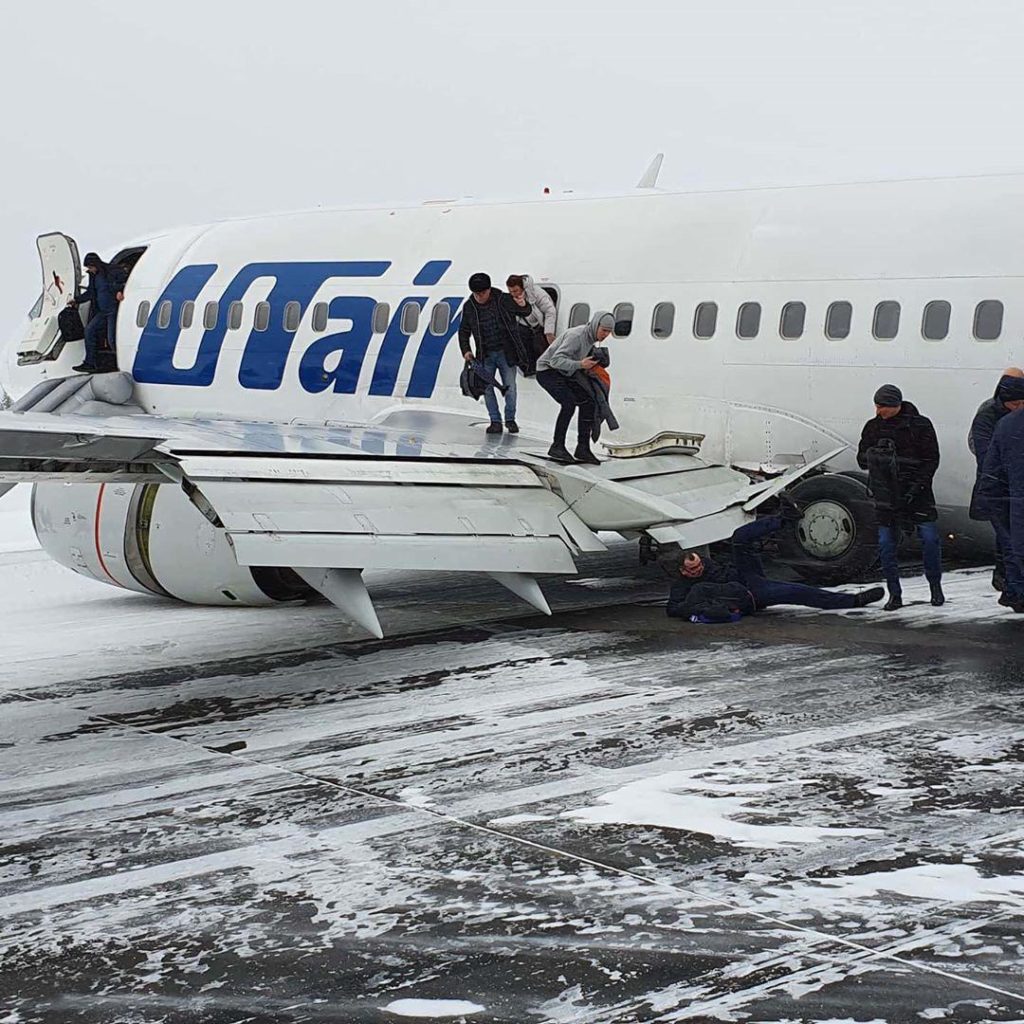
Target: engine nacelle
(151,539)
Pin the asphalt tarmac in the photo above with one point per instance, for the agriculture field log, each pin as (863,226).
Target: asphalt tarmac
(602,816)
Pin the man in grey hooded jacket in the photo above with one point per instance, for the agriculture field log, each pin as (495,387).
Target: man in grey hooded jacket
(556,368)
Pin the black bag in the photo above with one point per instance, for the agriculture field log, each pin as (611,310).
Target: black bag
(70,323)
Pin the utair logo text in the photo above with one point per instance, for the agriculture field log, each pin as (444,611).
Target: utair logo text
(265,354)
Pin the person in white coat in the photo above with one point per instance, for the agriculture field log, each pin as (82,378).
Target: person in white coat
(541,303)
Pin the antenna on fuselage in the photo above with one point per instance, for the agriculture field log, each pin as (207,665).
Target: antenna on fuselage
(649,179)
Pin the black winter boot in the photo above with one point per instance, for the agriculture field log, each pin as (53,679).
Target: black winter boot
(511,426)
(494,428)
(938,597)
(584,454)
(560,453)
(895,601)
(870,596)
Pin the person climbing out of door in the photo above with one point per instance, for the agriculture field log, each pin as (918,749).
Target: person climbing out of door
(104,293)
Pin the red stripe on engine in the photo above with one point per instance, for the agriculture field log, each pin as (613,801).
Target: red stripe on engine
(96,535)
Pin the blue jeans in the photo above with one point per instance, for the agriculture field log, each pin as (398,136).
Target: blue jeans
(888,546)
(770,592)
(1013,566)
(102,325)
(767,592)
(499,366)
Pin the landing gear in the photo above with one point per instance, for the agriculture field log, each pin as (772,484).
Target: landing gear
(836,540)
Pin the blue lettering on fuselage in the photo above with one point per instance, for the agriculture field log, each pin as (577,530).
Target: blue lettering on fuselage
(265,354)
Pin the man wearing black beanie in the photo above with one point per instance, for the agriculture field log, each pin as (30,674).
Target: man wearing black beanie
(900,451)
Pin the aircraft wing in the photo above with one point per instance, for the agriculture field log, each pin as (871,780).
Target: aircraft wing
(417,491)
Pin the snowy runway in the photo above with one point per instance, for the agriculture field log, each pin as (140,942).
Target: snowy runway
(601,817)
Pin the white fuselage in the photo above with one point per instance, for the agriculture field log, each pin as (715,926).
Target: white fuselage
(763,400)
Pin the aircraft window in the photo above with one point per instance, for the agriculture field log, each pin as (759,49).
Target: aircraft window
(886,323)
(935,322)
(234,316)
(748,320)
(210,315)
(623,314)
(705,320)
(410,317)
(988,320)
(838,320)
(320,311)
(163,314)
(292,316)
(261,319)
(579,314)
(142,314)
(188,310)
(664,319)
(381,316)
(33,313)
(791,323)
(439,318)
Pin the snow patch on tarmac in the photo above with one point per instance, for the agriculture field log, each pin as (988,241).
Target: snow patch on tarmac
(432,1007)
(696,801)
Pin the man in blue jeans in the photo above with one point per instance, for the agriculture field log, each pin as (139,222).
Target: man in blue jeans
(489,319)
(900,451)
(1000,498)
(709,592)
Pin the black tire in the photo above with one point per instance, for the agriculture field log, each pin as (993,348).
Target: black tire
(837,542)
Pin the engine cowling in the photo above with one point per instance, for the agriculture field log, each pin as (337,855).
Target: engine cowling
(151,539)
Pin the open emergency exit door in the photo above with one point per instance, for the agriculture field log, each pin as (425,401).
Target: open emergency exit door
(62,274)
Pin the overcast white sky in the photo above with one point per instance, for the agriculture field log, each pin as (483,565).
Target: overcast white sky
(120,117)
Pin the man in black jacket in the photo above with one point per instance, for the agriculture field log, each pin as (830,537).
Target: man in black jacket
(712,592)
(487,318)
(104,294)
(1009,397)
(900,451)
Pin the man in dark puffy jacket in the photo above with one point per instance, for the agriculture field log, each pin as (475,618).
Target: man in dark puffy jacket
(103,293)
(900,451)
(1009,397)
(487,318)
(1000,495)
(708,592)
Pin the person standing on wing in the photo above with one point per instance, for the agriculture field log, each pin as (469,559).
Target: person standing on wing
(555,370)
(1009,397)
(900,451)
(488,320)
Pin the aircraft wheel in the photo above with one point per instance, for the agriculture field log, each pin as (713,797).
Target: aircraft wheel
(836,541)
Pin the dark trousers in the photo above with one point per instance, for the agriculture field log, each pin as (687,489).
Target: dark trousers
(101,327)
(570,397)
(888,548)
(1013,566)
(766,592)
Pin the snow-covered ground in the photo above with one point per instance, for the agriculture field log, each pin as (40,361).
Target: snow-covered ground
(16,533)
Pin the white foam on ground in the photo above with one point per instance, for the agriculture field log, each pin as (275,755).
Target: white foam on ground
(948,883)
(432,1008)
(691,801)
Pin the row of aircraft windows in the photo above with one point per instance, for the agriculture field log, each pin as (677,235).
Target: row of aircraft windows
(885,323)
(291,316)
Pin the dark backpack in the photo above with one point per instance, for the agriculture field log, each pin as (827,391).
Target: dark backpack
(70,323)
